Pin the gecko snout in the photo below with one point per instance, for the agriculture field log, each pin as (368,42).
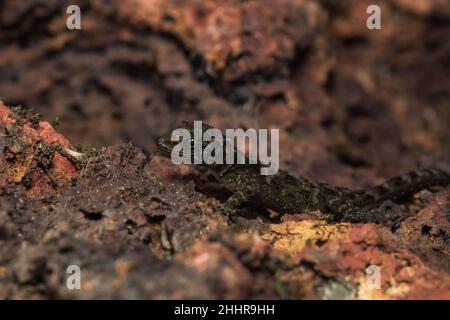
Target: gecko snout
(164,145)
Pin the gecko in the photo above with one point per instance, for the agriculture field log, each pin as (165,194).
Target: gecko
(286,194)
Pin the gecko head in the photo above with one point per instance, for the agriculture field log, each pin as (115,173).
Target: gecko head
(166,144)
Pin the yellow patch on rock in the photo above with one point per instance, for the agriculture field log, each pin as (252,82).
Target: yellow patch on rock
(21,169)
(292,236)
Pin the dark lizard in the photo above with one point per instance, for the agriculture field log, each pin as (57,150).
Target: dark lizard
(284,193)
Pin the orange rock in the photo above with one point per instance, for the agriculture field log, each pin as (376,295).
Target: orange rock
(24,152)
(50,136)
(366,233)
(5,114)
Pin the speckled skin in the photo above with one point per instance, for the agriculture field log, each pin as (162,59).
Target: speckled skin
(284,193)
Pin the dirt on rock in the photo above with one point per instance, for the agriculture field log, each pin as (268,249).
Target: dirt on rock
(354,107)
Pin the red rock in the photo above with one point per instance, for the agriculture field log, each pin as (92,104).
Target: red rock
(50,136)
(5,114)
(366,233)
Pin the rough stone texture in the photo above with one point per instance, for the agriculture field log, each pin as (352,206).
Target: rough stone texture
(353,106)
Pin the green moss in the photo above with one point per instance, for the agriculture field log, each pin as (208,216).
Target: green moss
(55,122)
(280,289)
(236,227)
(308,243)
(327,216)
(23,115)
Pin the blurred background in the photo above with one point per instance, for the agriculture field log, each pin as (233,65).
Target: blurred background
(353,105)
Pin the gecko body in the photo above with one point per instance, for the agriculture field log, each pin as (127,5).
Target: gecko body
(285,193)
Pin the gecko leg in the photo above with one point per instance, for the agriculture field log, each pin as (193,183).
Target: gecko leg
(232,203)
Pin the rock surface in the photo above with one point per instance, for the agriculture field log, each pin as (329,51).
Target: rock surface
(353,106)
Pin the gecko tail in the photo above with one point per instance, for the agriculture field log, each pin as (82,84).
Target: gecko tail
(400,187)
